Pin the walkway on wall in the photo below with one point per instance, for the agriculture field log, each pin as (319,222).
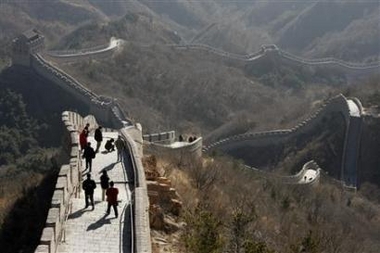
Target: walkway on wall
(113,44)
(90,230)
(351,109)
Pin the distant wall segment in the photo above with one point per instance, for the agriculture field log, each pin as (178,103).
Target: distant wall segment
(99,52)
(107,110)
(164,144)
(336,104)
(273,50)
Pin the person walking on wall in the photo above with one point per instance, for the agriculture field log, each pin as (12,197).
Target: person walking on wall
(89,186)
(87,129)
(112,198)
(120,146)
(104,183)
(88,154)
(98,137)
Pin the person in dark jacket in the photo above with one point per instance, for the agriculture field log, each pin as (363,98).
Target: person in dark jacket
(104,183)
(109,145)
(98,137)
(87,129)
(89,186)
(112,198)
(88,154)
(120,146)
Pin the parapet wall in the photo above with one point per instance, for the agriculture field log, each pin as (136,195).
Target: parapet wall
(193,149)
(293,179)
(67,186)
(106,110)
(336,104)
(141,201)
(164,138)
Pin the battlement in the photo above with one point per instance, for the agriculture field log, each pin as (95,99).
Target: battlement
(28,43)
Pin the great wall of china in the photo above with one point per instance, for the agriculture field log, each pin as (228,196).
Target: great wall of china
(109,114)
(351,111)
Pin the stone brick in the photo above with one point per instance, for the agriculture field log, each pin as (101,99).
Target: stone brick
(42,249)
(47,238)
(54,220)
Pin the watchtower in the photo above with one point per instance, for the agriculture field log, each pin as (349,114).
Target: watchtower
(29,42)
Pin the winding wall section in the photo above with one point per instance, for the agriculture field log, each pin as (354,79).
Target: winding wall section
(107,110)
(348,108)
(274,50)
(110,114)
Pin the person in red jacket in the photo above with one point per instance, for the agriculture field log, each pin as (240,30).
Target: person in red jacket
(112,198)
(83,139)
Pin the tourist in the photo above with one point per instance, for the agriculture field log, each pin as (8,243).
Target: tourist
(104,183)
(83,140)
(109,145)
(87,129)
(88,186)
(88,154)
(98,137)
(120,146)
(112,199)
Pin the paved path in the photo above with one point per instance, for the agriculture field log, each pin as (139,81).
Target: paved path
(308,176)
(91,230)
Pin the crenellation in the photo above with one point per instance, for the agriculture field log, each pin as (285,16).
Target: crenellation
(53,221)
(48,238)
(42,249)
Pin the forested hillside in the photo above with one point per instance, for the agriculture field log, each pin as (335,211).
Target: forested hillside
(26,175)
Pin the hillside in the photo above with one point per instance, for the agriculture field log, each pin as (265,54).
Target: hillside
(347,30)
(27,175)
(227,208)
(313,29)
(165,88)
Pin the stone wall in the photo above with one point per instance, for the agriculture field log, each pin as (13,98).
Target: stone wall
(293,179)
(164,138)
(359,68)
(193,149)
(336,104)
(107,111)
(142,240)
(67,186)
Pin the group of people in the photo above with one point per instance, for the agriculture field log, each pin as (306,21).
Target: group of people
(191,138)
(108,190)
(89,185)
(89,153)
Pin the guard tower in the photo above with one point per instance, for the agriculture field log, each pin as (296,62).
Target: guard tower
(29,42)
